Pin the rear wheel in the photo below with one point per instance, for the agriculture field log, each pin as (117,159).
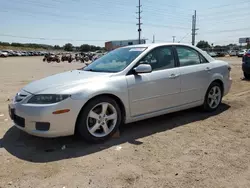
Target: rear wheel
(99,120)
(247,76)
(213,97)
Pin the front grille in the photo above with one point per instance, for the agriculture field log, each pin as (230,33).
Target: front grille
(19,121)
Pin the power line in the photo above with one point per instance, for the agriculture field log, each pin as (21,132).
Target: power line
(55,39)
(183,37)
(230,30)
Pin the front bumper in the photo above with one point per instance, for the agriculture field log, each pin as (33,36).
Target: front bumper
(227,86)
(31,115)
(246,68)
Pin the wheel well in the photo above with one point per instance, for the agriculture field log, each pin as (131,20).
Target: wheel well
(221,84)
(117,99)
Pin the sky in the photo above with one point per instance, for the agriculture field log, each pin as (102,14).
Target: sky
(57,22)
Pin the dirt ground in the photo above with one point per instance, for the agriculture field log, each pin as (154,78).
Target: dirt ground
(185,149)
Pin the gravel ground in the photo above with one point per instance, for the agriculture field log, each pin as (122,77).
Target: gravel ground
(185,149)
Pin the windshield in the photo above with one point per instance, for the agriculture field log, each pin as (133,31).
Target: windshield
(116,60)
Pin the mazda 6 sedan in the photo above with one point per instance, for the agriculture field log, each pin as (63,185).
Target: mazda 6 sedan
(125,85)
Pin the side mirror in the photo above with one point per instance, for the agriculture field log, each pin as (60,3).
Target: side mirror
(143,68)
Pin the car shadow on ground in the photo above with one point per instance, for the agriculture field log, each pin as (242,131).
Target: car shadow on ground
(41,150)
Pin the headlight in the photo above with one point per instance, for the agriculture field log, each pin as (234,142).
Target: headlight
(47,99)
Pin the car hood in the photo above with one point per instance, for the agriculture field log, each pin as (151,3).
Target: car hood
(58,82)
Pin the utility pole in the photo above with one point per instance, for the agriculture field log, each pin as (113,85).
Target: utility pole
(153,38)
(173,39)
(194,29)
(139,21)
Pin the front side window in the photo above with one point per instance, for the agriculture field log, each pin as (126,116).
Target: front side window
(187,56)
(116,60)
(160,58)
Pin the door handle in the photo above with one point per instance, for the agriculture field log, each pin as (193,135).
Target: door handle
(172,76)
(208,69)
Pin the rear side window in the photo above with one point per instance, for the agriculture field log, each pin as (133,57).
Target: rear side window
(188,56)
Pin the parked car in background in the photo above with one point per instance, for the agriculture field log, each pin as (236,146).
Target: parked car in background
(3,54)
(233,53)
(221,54)
(246,65)
(117,88)
(18,53)
(212,54)
(241,53)
(9,52)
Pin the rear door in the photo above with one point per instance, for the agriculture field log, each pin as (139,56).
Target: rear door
(195,73)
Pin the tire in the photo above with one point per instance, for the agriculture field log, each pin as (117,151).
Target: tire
(247,76)
(58,60)
(208,105)
(85,123)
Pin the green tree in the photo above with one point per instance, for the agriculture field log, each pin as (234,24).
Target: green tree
(84,48)
(203,44)
(68,47)
(4,43)
(248,46)
(57,47)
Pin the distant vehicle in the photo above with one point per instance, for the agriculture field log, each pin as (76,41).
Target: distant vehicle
(9,52)
(117,88)
(221,54)
(24,54)
(233,53)
(241,53)
(212,54)
(51,58)
(3,54)
(30,53)
(18,53)
(67,57)
(246,65)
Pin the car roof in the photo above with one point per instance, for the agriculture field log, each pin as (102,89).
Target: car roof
(152,45)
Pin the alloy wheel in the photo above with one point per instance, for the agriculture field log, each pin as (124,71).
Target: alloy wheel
(214,97)
(101,119)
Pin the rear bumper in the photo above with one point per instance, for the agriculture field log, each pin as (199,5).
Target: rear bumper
(246,68)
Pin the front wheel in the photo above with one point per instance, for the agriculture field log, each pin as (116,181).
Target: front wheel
(213,97)
(247,76)
(99,120)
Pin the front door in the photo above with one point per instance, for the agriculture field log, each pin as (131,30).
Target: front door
(158,90)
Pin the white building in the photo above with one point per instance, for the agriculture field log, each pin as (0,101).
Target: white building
(111,45)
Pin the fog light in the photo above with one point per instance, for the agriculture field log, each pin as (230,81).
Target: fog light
(42,126)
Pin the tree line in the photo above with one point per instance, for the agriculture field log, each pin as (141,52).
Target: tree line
(67,47)
(206,46)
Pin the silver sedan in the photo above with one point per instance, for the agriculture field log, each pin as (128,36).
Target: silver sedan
(125,85)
